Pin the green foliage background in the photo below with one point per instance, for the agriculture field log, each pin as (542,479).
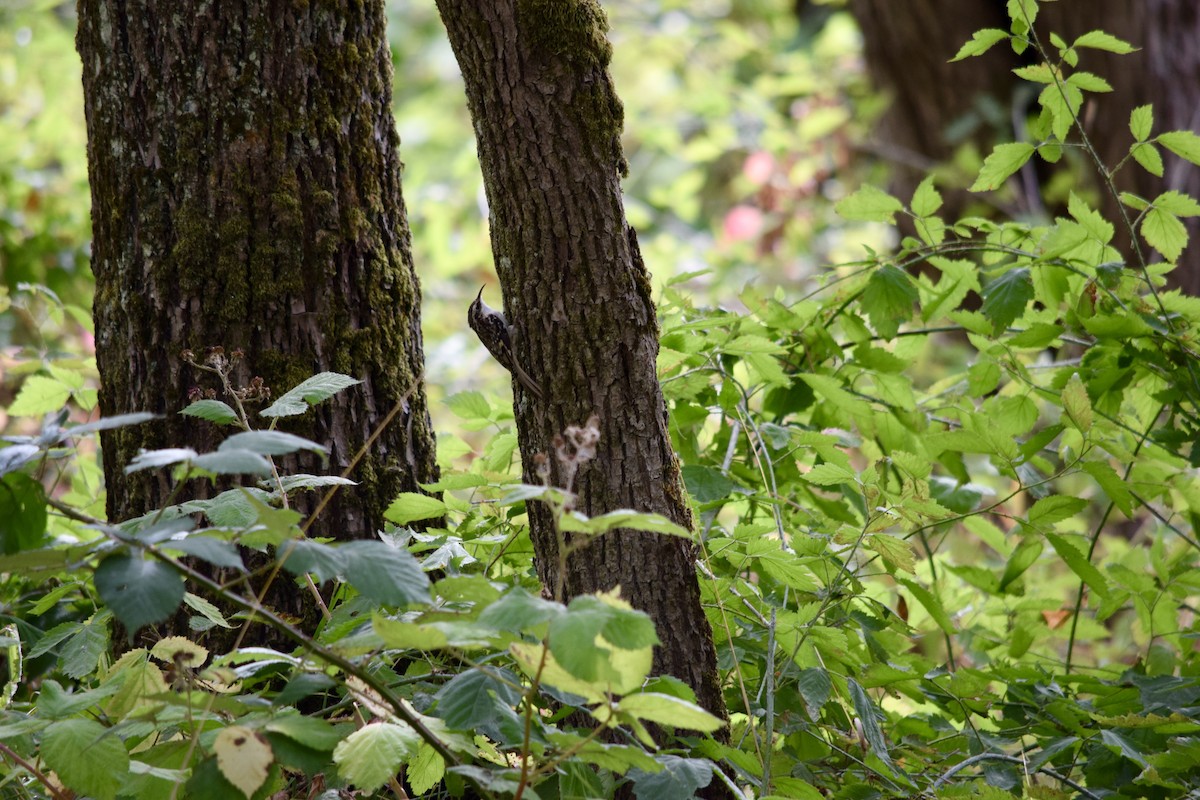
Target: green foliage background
(947,484)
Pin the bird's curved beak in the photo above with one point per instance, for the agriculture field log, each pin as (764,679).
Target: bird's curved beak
(479,296)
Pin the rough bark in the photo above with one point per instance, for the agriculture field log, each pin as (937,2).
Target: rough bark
(908,46)
(548,121)
(245,183)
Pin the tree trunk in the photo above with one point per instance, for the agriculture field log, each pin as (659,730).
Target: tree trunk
(908,46)
(548,123)
(245,184)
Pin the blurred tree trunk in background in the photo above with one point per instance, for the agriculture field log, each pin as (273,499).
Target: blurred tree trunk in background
(908,46)
(245,180)
(548,124)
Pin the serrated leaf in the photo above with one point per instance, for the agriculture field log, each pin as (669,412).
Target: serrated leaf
(413,506)
(1055,508)
(138,590)
(1078,563)
(426,770)
(889,298)
(108,423)
(1112,484)
(865,709)
(623,518)
(1099,40)
(1165,233)
(706,484)
(1148,156)
(1005,297)
(374,753)
(667,710)
(244,758)
(1177,203)
(470,406)
(232,462)
(932,605)
(1077,404)
(926,200)
(269,443)
(830,475)
(316,389)
(678,779)
(89,758)
(213,411)
(981,42)
(815,686)
(518,610)
(23,516)
(895,552)
(151,459)
(1089,82)
(476,697)
(869,204)
(39,395)
(1141,119)
(384,574)
(1005,159)
(1185,144)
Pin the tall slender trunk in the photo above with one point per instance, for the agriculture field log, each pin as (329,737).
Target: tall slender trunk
(548,122)
(245,183)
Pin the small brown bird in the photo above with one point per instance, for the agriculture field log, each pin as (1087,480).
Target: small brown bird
(496,334)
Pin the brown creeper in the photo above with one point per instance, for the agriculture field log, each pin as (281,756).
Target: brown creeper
(496,334)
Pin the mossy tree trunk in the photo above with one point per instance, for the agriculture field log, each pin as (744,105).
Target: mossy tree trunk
(908,47)
(245,183)
(548,124)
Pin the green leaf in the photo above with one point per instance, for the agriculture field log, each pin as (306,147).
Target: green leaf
(426,770)
(706,484)
(316,389)
(1021,560)
(374,753)
(889,298)
(981,42)
(470,406)
(926,200)
(1004,160)
(1177,203)
(830,475)
(896,552)
(301,556)
(868,716)
(479,697)
(518,610)
(385,574)
(1099,40)
(1165,233)
(232,462)
(22,513)
(667,710)
(1055,508)
(152,459)
(933,606)
(139,591)
(574,640)
(1148,156)
(678,780)
(815,686)
(1078,563)
(1005,297)
(1112,484)
(1185,144)
(1077,404)
(213,411)
(623,518)
(869,204)
(1089,82)
(1141,119)
(413,506)
(89,758)
(39,395)
(270,443)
